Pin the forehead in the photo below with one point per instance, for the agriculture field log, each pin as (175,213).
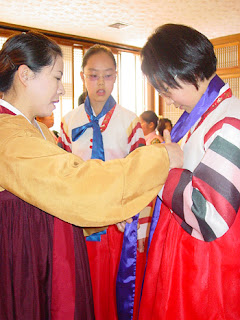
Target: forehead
(100,61)
(57,64)
(142,121)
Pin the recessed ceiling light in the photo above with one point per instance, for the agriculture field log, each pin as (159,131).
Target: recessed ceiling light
(119,25)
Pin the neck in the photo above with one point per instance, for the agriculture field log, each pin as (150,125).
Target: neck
(21,104)
(203,85)
(97,106)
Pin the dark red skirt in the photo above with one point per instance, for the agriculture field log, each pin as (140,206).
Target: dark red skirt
(26,265)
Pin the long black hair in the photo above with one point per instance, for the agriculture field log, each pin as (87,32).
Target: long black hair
(32,49)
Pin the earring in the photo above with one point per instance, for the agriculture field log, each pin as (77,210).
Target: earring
(25,75)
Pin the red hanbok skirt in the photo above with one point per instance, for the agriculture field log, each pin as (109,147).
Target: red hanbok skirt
(104,257)
(188,279)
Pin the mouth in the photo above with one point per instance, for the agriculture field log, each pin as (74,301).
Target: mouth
(101,92)
(54,103)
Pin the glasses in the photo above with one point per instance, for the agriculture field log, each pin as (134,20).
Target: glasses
(165,93)
(96,77)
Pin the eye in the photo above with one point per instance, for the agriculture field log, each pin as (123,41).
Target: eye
(108,76)
(92,76)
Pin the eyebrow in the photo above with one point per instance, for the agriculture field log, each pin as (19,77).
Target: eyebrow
(93,69)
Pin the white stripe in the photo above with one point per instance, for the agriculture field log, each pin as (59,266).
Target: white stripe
(143,231)
(189,216)
(223,166)
(230,134)
(215,221)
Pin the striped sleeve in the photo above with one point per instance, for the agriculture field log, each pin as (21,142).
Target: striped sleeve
(135,135)
(206,201)
(64,140)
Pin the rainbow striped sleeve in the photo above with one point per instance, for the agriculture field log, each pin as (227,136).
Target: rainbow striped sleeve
(135,135)
(64,140)
(206,201)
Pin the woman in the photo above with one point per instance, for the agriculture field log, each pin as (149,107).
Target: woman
(38,177)
(193,271)
(119,134)
(164,123)
(149,123)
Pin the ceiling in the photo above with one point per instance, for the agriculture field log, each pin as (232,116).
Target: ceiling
(91,19)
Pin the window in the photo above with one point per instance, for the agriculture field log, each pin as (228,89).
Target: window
(129,89)
(131,83)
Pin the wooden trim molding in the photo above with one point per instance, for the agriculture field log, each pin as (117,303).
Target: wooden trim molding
(62,38)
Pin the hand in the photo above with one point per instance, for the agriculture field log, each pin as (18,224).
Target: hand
(121,225)
(175,153)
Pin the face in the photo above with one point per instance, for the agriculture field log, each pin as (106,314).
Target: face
(45,88)
(99,76)
(184,98)
(146,127)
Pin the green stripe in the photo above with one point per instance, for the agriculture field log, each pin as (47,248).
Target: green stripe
(227,150)
(199,204)
(199,208)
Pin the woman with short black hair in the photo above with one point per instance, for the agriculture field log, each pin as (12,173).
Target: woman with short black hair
(193,268)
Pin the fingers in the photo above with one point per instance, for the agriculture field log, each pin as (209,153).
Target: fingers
(121,226)
(129,220)
(175,154)
(166,136)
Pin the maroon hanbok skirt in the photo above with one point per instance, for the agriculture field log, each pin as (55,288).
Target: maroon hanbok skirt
(27,240)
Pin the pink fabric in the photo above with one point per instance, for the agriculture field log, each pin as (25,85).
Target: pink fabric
(151,136)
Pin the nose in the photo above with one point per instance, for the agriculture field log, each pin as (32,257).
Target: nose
(101,80)
(168,101)
(61,90)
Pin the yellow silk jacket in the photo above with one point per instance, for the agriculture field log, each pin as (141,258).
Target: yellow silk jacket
(89,193)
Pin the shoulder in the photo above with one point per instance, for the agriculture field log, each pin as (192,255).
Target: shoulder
(128,118)
(47,133)
(15,126)
(74,112)
(73,118)
(125,112)
(155,140)
(224,121)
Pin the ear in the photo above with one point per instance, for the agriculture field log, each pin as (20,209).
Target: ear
(25,74)
(82,76)
(116,76)
(151,125)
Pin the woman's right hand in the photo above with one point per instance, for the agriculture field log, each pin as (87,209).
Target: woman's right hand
(175,152)
(121,225)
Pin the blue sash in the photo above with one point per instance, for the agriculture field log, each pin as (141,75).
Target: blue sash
(97,144)
(97,147)
(126,280)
